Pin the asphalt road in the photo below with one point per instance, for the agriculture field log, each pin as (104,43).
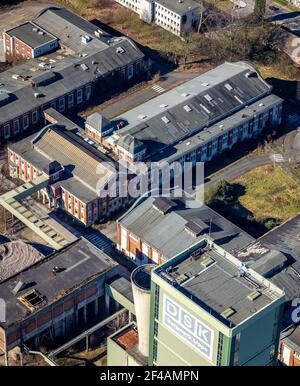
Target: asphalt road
(238,168)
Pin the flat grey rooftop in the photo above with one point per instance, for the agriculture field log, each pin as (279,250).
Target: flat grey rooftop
(31,35)
(179,7)
(79,263)
(219,286)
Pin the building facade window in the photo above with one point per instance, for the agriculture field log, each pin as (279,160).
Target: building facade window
(220,349)
(61,104)
(16,126)
(6,130)
(79,96)
(130,72)
(25,121)
(35,117)
(70,101)
(88,91)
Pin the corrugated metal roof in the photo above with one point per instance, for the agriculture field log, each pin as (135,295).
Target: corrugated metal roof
(208,100)
(100,60)
(168,234)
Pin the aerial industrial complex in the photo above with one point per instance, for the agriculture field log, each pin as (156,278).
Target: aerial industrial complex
(147,280)
(65,78)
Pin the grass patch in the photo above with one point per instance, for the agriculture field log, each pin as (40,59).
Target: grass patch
(224,5)
(286,4)
(270,193)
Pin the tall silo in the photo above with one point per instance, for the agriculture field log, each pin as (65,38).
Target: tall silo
(141,283)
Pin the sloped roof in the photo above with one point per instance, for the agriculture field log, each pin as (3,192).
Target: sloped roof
(170,233)
(194,106)
(99,58)
(69,28)
(78,160)
(131,144)
(97,121)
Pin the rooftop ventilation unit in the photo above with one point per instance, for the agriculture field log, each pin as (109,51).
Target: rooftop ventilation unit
(163,204)
(208,97)
(85,39)
(187,108)
(207,262)
(204,108)
(197,254)
(228,313)
(251,74)
(18,287)
(228,87)
(254,295)
(84,67)
(182,278)
(142,116)
(120,50)
(239,100)
(98,33)
(34,29)
(165,119)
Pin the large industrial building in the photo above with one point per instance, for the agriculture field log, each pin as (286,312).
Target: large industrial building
(75,170)
(88,61)
(198,119)
(55,296)
(160,228)
(219,312)
(177,17)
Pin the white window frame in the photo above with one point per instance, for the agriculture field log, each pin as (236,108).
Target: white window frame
(5,128)
(61,104)
(130,72)
(70,100)
(25,121)
(16,126)
(35,117)
(88,91)
(79,96)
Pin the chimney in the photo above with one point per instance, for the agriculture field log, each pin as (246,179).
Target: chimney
(141,283)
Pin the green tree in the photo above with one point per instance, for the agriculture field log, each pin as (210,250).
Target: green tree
(260,9)
(221,191)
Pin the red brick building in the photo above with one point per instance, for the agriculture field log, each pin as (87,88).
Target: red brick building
(27,41)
